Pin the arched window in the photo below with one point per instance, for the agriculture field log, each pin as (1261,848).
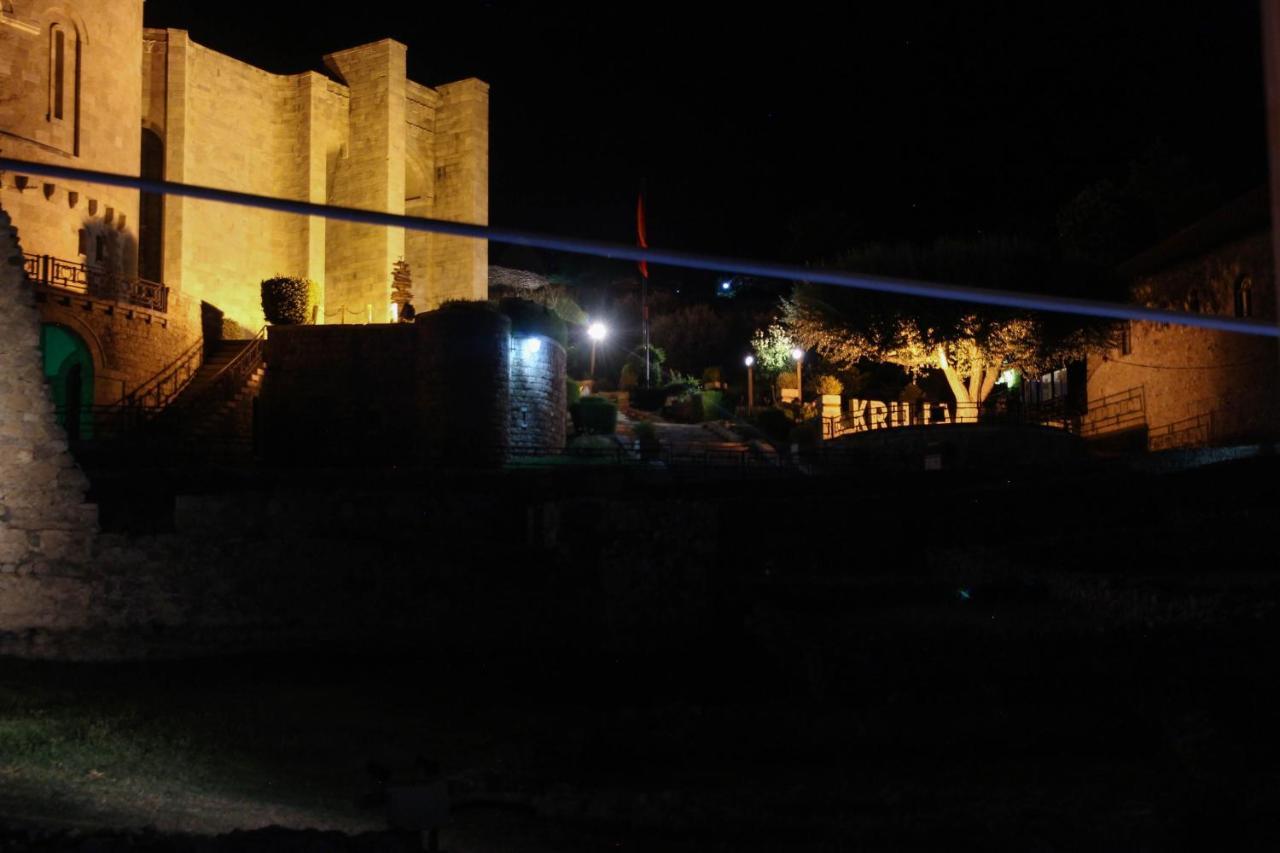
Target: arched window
(57,72)
(1244,296)
(64,86)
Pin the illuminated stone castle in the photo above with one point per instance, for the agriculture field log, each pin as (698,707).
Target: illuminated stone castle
(82,83)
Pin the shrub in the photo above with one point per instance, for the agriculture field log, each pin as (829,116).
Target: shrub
(774,423)
(805,434)
(647,435)
(649,399)
(479,306)
(629,378)
(828,384)
(713,407)
(594,416)
(286,301)
(787,379)
(572,392)
(529,318)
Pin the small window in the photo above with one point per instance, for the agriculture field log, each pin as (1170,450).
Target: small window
(84,243)
(1244,296)
(59,71)
(1126,338)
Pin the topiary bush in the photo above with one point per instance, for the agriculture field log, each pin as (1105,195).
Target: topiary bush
(828,384)
(594,415)
(286,300)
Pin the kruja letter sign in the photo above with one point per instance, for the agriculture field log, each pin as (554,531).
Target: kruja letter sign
(874,414)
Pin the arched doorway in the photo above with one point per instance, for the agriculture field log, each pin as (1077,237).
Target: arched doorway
(68,367)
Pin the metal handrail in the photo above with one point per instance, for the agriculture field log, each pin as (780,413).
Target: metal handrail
(77,277)
(183,363)
(231,374)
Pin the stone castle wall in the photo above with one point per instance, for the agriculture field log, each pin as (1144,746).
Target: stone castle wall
(455,385)
(99,129)
(46,528)
(1185,372)
(538,394)
(370,139)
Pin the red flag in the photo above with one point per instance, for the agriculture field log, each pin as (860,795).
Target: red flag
(642,239)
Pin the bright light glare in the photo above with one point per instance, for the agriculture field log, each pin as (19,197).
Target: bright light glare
(597,331)
(797,354)
(749,360)
(531,346)
(724,285)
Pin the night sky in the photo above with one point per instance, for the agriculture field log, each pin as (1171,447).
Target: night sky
(894,121)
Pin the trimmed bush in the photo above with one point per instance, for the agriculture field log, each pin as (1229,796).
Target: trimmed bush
(572,392)
(828,384)
(286,301)
(529,318)
(787,379)
(594,415)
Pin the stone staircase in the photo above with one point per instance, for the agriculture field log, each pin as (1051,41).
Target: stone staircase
(213,416)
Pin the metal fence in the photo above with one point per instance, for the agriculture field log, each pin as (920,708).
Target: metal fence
(86,280)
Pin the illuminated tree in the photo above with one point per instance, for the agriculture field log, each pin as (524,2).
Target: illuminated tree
(970,344)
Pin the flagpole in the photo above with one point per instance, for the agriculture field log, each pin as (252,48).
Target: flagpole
(643,240)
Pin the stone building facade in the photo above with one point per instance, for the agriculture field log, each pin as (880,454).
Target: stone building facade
(1170,386)
(82,83)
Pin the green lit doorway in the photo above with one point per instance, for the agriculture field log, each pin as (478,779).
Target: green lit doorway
(68,367)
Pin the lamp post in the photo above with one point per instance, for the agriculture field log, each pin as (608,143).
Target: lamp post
(751,391)
(596,331)
(798,355)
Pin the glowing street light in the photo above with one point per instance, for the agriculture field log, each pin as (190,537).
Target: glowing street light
(798,355)
(750,361)
(597,332)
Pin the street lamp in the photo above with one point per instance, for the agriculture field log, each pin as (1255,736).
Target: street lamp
(798,355)
(596,331)
(749,361)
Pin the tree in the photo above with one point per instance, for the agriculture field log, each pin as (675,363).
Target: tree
(693,336)
(402,290)
(970,344)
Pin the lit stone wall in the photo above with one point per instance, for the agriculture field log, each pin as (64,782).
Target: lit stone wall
(538,403)
(98,130)
(46,528)
(1186,372)
(459,267)
(371,139)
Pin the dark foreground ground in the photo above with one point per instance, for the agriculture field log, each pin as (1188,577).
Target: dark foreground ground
(1083,664)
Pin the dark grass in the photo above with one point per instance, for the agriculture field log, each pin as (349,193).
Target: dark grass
(1093,673)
